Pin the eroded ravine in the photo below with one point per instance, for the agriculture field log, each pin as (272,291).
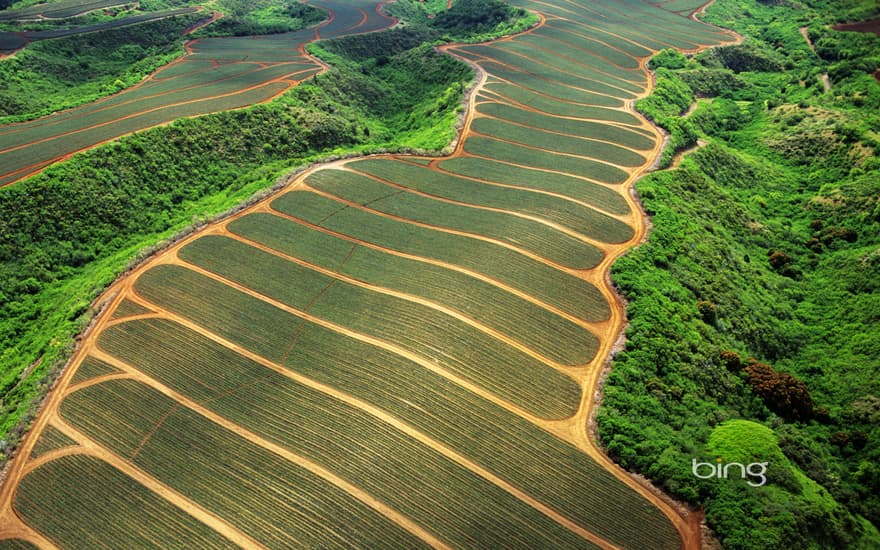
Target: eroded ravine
(377,221)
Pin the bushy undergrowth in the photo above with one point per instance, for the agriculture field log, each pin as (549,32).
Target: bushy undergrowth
(756,297)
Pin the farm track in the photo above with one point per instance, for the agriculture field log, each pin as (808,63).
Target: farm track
(665,526)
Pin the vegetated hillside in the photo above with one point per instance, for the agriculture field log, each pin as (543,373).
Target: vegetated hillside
(65,233)
(466,20)
(757,295)
(54,74)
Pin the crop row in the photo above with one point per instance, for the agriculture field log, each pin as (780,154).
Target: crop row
(50,439)
(542,85)
(482,301)
(625,137)
(545,104)
(273,500)
(527,457)
(600,196)
(556,288)
(279,503)
(431,334)
(570,77)
(103,499)
(61,144)
(531,137)
(58,10)
(529,235)
(575,216)
(535,158)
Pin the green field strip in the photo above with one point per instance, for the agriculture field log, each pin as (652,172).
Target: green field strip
(575,216)
(626,137)
(534,158)
(91,367)
(83,502)
(535,237)
(182,67)
(546,104)
(59,10)
(540,49)
(481,300)
(553,142)
(527,457)
(600,196)
(271,499)
(17,544)
(535,83)
(422,161)
(127,308)
(108,25)
(488,304)
(65,144)
(636,44)
(195,303)
(435,336)
(562,290)
(50,439)
(554,75)
(441,496)
(612,54)
(628,46)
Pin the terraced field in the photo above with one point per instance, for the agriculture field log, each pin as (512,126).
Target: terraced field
(394,351)
(216,74)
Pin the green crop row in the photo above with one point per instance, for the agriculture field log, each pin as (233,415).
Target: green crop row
(102,498)
(529,458)
(524,156)
(50,439)
(597,195)
(271,499)
(625,137)
(482,301)
(577,217)
(528,235)
(556,288)
(433,335)
(558,107)
(532,137)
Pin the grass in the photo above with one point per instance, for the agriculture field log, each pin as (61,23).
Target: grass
(556,288)
(104,498)
(574,216)
(531,236)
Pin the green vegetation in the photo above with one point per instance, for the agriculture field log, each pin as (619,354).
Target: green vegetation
(466,20)
(250,17)
(756,297)
(65,233)
(51,75)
